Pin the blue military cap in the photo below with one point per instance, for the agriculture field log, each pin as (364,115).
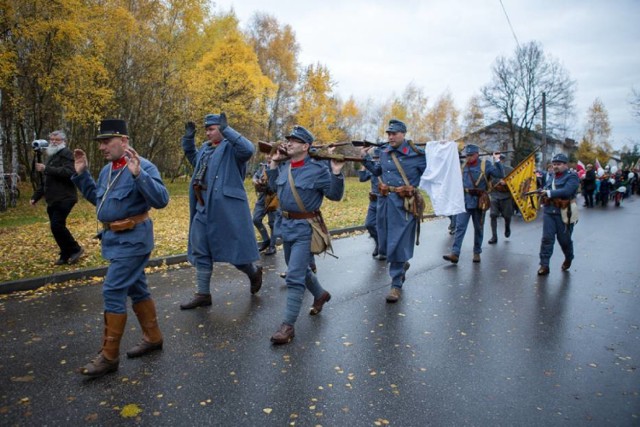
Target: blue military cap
(471,148)
(211,119)
(396,126)
(301,134)
(560,158)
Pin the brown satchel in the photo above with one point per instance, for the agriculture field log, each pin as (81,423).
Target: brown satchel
(320,236)
(271,202)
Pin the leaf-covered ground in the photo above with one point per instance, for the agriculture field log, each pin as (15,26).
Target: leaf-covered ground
(27,248)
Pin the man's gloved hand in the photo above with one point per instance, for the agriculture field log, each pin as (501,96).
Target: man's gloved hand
(223,122)
(190,130)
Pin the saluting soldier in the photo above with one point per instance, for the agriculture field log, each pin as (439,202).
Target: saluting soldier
(301,183)
(400,167)
(266,205)
(220,226)
(558,194)
(475,178)
(127,188)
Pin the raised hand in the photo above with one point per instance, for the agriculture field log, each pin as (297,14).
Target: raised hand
(223,122)
(189,130)
(133,162)
(80,162)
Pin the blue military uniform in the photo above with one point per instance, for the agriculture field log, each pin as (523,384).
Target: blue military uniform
(371,220)
(562,186)
(260,210)
(220,224)
(471,181)
(123,202)
(313,181)
(128,251)
(396,226)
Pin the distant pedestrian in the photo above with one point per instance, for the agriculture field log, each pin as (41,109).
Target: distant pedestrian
(60,195)
(266,205)
(127,188)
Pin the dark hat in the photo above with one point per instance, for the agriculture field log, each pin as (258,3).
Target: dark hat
(560,158)
(301,134)
(112,127)
(211,119)
(471,148)
(396,126)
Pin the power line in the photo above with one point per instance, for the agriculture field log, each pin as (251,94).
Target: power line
(509,21)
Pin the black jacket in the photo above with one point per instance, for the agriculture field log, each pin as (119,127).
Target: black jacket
(57,185)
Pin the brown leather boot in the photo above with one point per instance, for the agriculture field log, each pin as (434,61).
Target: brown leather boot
(283,335)
(319,303)
(109,357)
(151,335)
(452,258)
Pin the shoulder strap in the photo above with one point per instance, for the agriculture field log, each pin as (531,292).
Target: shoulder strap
(399,166)
(414,147)
(294,191)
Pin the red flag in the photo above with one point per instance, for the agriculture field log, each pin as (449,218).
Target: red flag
(581,169)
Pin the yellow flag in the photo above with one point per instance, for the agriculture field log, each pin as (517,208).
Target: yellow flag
(521,180)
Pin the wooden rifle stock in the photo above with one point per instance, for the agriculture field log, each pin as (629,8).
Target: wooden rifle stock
(272,147)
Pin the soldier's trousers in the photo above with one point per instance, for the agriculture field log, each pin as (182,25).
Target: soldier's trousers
(125,277)
(462,221)
(552,227)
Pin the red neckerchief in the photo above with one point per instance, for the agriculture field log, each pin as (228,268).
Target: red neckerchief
(118,164)
(297,164)
(470,163)
(559,174)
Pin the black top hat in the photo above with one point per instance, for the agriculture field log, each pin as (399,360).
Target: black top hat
(112,127)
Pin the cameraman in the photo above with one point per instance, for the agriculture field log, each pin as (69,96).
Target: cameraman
(60,194)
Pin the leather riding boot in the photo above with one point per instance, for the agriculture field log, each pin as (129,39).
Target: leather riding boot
(507,227)
(494,231)
(151,335)
(109,357)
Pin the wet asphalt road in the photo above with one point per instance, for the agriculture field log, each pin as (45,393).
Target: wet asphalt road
(472,344)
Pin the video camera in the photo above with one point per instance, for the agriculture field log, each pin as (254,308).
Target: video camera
(40,144)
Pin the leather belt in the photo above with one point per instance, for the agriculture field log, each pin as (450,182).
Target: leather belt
(299,215)
(127,223)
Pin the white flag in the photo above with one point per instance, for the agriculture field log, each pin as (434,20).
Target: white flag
(442,179)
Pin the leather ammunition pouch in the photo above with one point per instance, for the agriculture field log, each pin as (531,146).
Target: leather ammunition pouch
(125,224)
(373,196)
(271,202)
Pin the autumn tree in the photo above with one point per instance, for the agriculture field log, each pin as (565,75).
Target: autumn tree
(598,128)
(411,108)
(473,116)
(634,101)
(317,108)
(442,119)
(277,51)
(516,90)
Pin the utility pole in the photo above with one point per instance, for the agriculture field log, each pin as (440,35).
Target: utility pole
(544,130)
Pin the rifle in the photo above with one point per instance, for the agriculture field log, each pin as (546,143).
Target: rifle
(365,143)
(272,147)
(462,156)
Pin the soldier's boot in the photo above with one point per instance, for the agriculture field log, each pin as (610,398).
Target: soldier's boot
(494,231)
(507,227)
(109,357)
(151,335)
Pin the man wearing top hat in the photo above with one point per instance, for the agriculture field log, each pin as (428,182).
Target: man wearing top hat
(476,175)
(558,193)
(396,226)
(313,181)
(127,188)
(220,224)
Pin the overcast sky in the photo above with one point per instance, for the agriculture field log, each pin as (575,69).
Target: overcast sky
(375,48)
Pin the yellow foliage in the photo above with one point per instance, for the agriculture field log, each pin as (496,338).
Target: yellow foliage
(131,410)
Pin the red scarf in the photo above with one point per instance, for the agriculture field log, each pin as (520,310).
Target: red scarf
(118,164)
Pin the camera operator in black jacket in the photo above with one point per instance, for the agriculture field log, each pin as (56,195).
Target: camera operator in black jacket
(60,194)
